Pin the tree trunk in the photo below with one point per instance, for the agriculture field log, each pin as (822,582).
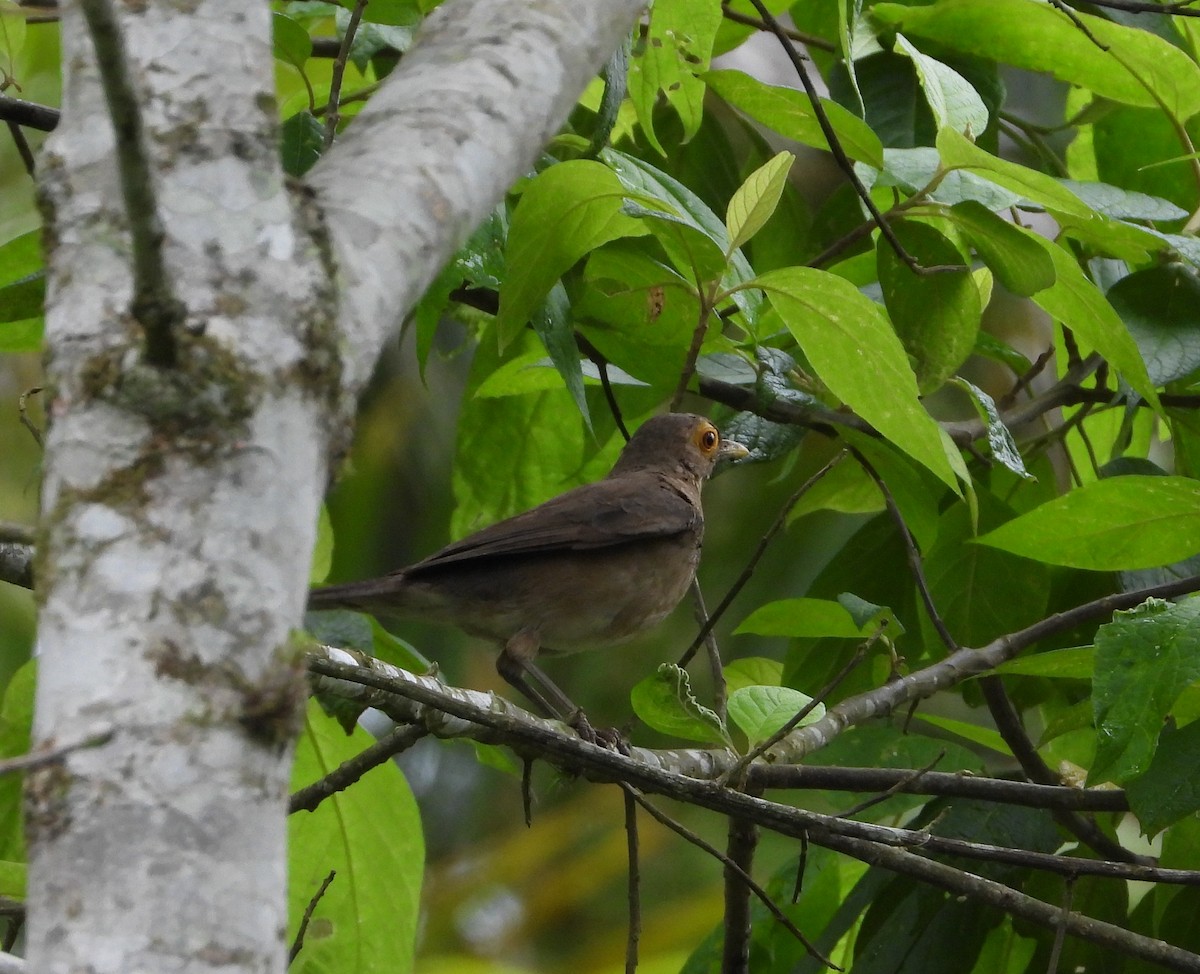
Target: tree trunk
(199,374)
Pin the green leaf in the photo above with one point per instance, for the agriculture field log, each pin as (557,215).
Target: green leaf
(936,315)
(802,617)
(553,324)
(981,593)
(22,293)
(918,168)
(13,876)
(303,137)
(958,152)
(763,710)
(1000,439)
(1037,37)
(664,701)
(1114,524)
(951,98)
(755,200)
(291,43)
(570,209)
(704,246)
(1161,308)
(983,736)
(1144,659)
(1078,304)
(370,835)
(750,671)
(851,345)
(676,49)
(1169,789)
(1076,663)
(322,556)
(1020,263)
(1124,204)
(789,112)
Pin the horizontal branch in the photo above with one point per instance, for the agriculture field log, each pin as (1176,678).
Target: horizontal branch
(16,564)
(428,703)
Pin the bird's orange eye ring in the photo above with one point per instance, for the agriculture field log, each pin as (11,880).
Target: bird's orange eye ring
(707,438)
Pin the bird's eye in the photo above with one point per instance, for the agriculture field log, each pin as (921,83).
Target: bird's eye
(708,439)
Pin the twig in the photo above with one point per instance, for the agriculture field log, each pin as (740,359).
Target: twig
(736,588)
(743,763)
(733,868)
(915,566)
(1060,934)
(30,114)
(634,887)
(808,40)
(15,533)
(344,775)
(835,147)
(339,70)
(52,755)
(23,412)
(714,651)
(900,786)
(154,304)
(308,912)
(23,149)
(693,353)
(1008,723)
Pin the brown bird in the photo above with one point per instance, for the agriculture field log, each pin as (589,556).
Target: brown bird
(589,568)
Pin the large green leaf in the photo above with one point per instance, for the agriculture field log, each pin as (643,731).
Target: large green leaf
(370,834)
(1144,660)
(951,98)
(789,112)
(568,210)
(1109,525)
(1012,253)
(1124,64)
(935,315)
(677,46)
(851,345)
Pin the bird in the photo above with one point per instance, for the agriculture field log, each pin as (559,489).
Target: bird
(590,568)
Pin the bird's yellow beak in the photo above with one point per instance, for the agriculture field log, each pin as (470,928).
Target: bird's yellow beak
(731,450)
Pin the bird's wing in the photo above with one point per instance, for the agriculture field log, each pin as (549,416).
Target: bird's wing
(610,512)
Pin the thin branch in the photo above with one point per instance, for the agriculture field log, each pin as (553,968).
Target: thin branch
(967,663)
(52,755)
(298,943)
(897,788)
(344,775)
(835,147)
(939,783)
(1008,723)
(15,533)
(732,869)
(339,69)
(915,566)
(736,588)
(154,304)
(634,885)
(23,149)
(23,413)
(808,40)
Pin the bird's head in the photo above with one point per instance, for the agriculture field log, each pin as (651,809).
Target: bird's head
(680,443)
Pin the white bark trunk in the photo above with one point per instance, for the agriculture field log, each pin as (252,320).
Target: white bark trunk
(180,503)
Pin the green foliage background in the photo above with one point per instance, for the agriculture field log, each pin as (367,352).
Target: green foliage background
(690,202)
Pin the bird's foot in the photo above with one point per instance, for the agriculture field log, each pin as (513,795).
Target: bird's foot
(607,737)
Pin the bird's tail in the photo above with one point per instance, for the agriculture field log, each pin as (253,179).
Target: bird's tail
(374,595)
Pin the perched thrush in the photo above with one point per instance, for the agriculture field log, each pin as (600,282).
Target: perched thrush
(589,568)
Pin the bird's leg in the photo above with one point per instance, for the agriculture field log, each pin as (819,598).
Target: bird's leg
(515,665)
